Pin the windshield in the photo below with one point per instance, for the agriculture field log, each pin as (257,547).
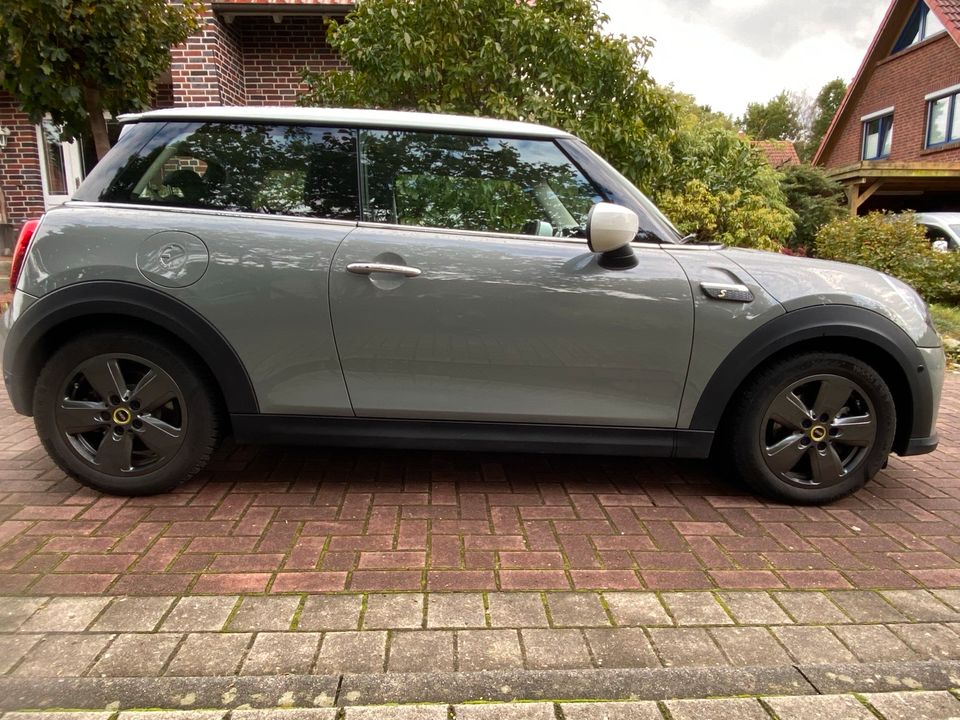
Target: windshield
(619,190)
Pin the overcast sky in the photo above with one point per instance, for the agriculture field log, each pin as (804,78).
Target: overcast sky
(728,53)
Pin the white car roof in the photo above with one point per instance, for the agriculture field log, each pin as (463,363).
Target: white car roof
(352,118)
(947,218)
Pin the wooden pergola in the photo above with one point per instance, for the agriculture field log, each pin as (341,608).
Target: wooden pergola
(863,180)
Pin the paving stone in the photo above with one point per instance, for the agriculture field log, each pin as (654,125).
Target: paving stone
(865,606)
(136,655)
(488,650)
(611,711)
(931,641)
(260,614)
(686,647)
(130,614)
(199,614)
(554,649)
(621,648)
(455,610)
(331,612)
(209,654)
(59,715)
(696,608)
(13,648)
(67,655)
(280,653)
(519,711)
(14,611)
(811,608)
(915,705)
(754,608)
(516,610)
(813,645)
(421,651)
(819,707)
(172,715)
(285,714)
(637,608)
(402,712)
(66,614)
(874,643)
(394,612)
(719,709)
(750,646)
(351,652)
(921,606)
(950,597)
(577,610)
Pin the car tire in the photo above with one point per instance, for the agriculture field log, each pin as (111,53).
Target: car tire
(126,413)
(811,428)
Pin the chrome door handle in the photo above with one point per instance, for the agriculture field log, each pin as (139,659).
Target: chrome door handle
(370,268)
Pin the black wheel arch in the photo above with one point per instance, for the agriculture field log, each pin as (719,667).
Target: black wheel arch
(858,332)
(71,310)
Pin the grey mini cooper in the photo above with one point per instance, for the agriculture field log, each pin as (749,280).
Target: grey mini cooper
(397,279)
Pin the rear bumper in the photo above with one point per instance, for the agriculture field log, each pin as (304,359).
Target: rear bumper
(20,396)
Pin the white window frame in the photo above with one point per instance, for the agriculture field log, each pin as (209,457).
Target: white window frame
(72,169)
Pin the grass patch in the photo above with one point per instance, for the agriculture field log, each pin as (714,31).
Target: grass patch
(947,320)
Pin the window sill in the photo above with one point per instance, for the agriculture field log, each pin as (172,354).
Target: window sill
(952,145)
(912,48)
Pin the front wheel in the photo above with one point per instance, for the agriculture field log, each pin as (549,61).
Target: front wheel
(813,428)
(125,414)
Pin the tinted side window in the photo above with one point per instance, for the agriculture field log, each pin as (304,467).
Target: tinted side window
(277,170)
(464,182)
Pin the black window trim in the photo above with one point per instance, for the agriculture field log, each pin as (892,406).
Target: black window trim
(924,11)
(885,118)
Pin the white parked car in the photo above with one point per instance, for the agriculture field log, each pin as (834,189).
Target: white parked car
(943,229)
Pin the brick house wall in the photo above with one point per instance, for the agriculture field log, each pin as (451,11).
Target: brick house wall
(208,68)
(20,164)
(902,81)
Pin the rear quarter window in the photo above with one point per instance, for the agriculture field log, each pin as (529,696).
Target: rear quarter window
(271,169)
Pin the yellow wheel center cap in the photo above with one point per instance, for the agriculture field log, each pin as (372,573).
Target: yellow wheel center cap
(122,416)
(818,433)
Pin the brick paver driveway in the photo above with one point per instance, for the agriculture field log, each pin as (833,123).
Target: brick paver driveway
(285,520)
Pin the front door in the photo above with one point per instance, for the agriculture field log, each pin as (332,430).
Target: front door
(467,295)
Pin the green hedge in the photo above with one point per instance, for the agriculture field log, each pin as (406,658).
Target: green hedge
(896,245)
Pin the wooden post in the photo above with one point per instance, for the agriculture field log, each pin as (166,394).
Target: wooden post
(856,198)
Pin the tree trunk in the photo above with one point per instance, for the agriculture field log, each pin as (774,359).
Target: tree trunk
(98,126)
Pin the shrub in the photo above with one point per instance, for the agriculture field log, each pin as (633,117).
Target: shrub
(816,200)
(896,245)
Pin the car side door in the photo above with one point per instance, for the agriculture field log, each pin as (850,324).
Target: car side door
(468,292)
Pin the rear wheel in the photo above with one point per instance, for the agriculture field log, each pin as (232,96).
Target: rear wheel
(813,428)
(124,414)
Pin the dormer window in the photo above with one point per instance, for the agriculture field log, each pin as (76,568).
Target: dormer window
(877,135)
(923,23)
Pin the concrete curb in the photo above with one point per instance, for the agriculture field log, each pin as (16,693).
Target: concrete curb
(306,691)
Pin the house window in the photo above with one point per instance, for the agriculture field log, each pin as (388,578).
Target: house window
(923,23)
(877,137)
(943,120)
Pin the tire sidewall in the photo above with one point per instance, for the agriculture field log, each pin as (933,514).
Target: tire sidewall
(199,428)
(775,380)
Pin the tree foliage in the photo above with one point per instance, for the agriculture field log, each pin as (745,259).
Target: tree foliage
(825,107)
(777,119)
(814,198)
(550,62)
(553,62)
(896,245)
(76,59)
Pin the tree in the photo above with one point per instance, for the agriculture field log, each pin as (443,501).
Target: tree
(549,62)
(778,119)
(814,198)
(825,107)
(75,59)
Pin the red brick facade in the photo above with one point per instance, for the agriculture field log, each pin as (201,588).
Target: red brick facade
(249,52)
(901,81)
(19,164)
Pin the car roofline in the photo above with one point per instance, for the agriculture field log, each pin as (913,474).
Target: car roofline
(347,117)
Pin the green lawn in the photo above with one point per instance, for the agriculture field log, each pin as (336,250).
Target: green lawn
(947,320)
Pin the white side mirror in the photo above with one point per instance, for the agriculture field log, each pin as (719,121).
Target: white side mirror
(610,230)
